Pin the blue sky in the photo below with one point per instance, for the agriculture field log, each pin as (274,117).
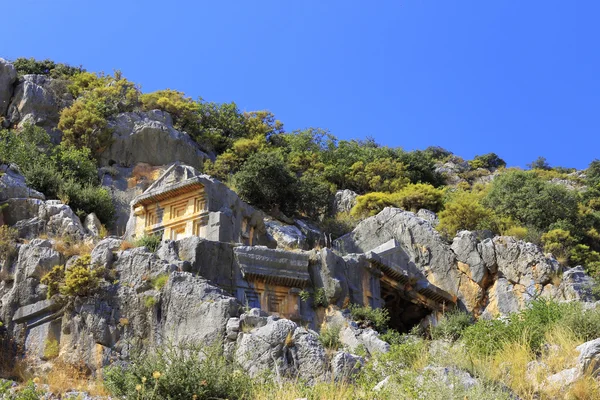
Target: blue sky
(520,78)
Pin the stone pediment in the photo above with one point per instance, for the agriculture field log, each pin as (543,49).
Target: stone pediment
(393,263)
(278,267)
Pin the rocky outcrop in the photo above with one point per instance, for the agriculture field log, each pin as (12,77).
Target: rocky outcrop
(428,216)
(280,346)
(150,137)
(343,201)
(287,236)
(34,260)
(13,185)
(424,252)
(8,77)
(37,100)
(352,337)
(588,360)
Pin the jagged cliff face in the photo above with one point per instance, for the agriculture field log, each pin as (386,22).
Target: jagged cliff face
(214,289)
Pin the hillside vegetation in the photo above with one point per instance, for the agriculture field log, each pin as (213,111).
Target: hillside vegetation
(530,354)
(298,172)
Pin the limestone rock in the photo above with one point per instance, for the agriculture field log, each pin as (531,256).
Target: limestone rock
(12,185)
(253,318)
(265,348)
(464,246)
(368,338)
(195,311)
(344,200)
(61,220)
(520,261)
(150,137)
(38,100)
(428,216)
(564,378)
(575,285)
(308,355)
(424,252)
(488,254)
(36,259)
(103,252)
(450,376)
(588,360)
(504,298)
(287,236)
(8,77)
(345,365)
(93,225)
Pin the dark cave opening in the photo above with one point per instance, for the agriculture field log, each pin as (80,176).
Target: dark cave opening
(404,314)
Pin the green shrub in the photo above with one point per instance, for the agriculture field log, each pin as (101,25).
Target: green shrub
(51,349)
(531,201)
(26,66)
(339,225)
(420,195)
(82,278)
(183,110)
(330,337)
(371,204)
(487,161)
(179,373)
(160,281)
(85,199)
(266,182)
(320,298)
(57,171)
(150,301)
(376,318)
(451,326)
(559,242)
(392,337)
(463,211)
(8,241)
(151,242)
(486,337)
(584,323)
(85,122)
(53,280)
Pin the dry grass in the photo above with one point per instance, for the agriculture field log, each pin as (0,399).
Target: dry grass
(70,247)
(321,391)
(125,245)
(65,377)
(510,366)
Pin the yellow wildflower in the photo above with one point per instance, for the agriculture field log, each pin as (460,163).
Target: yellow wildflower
(156,374)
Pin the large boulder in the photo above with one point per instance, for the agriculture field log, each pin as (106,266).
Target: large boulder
(35,259)
(575,285)
(266,348)
(150,137)
(588,360)
(8,77)
(195,311)
(13,185)
(344,200)
(524,263)
(464,246)
(424,253)
(38,100)
(286,236)
(352,337)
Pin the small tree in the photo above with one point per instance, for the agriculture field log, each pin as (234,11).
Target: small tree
(266,182)
(487,161)
(539,163)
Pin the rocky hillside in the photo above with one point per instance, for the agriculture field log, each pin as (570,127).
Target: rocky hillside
(316,268)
